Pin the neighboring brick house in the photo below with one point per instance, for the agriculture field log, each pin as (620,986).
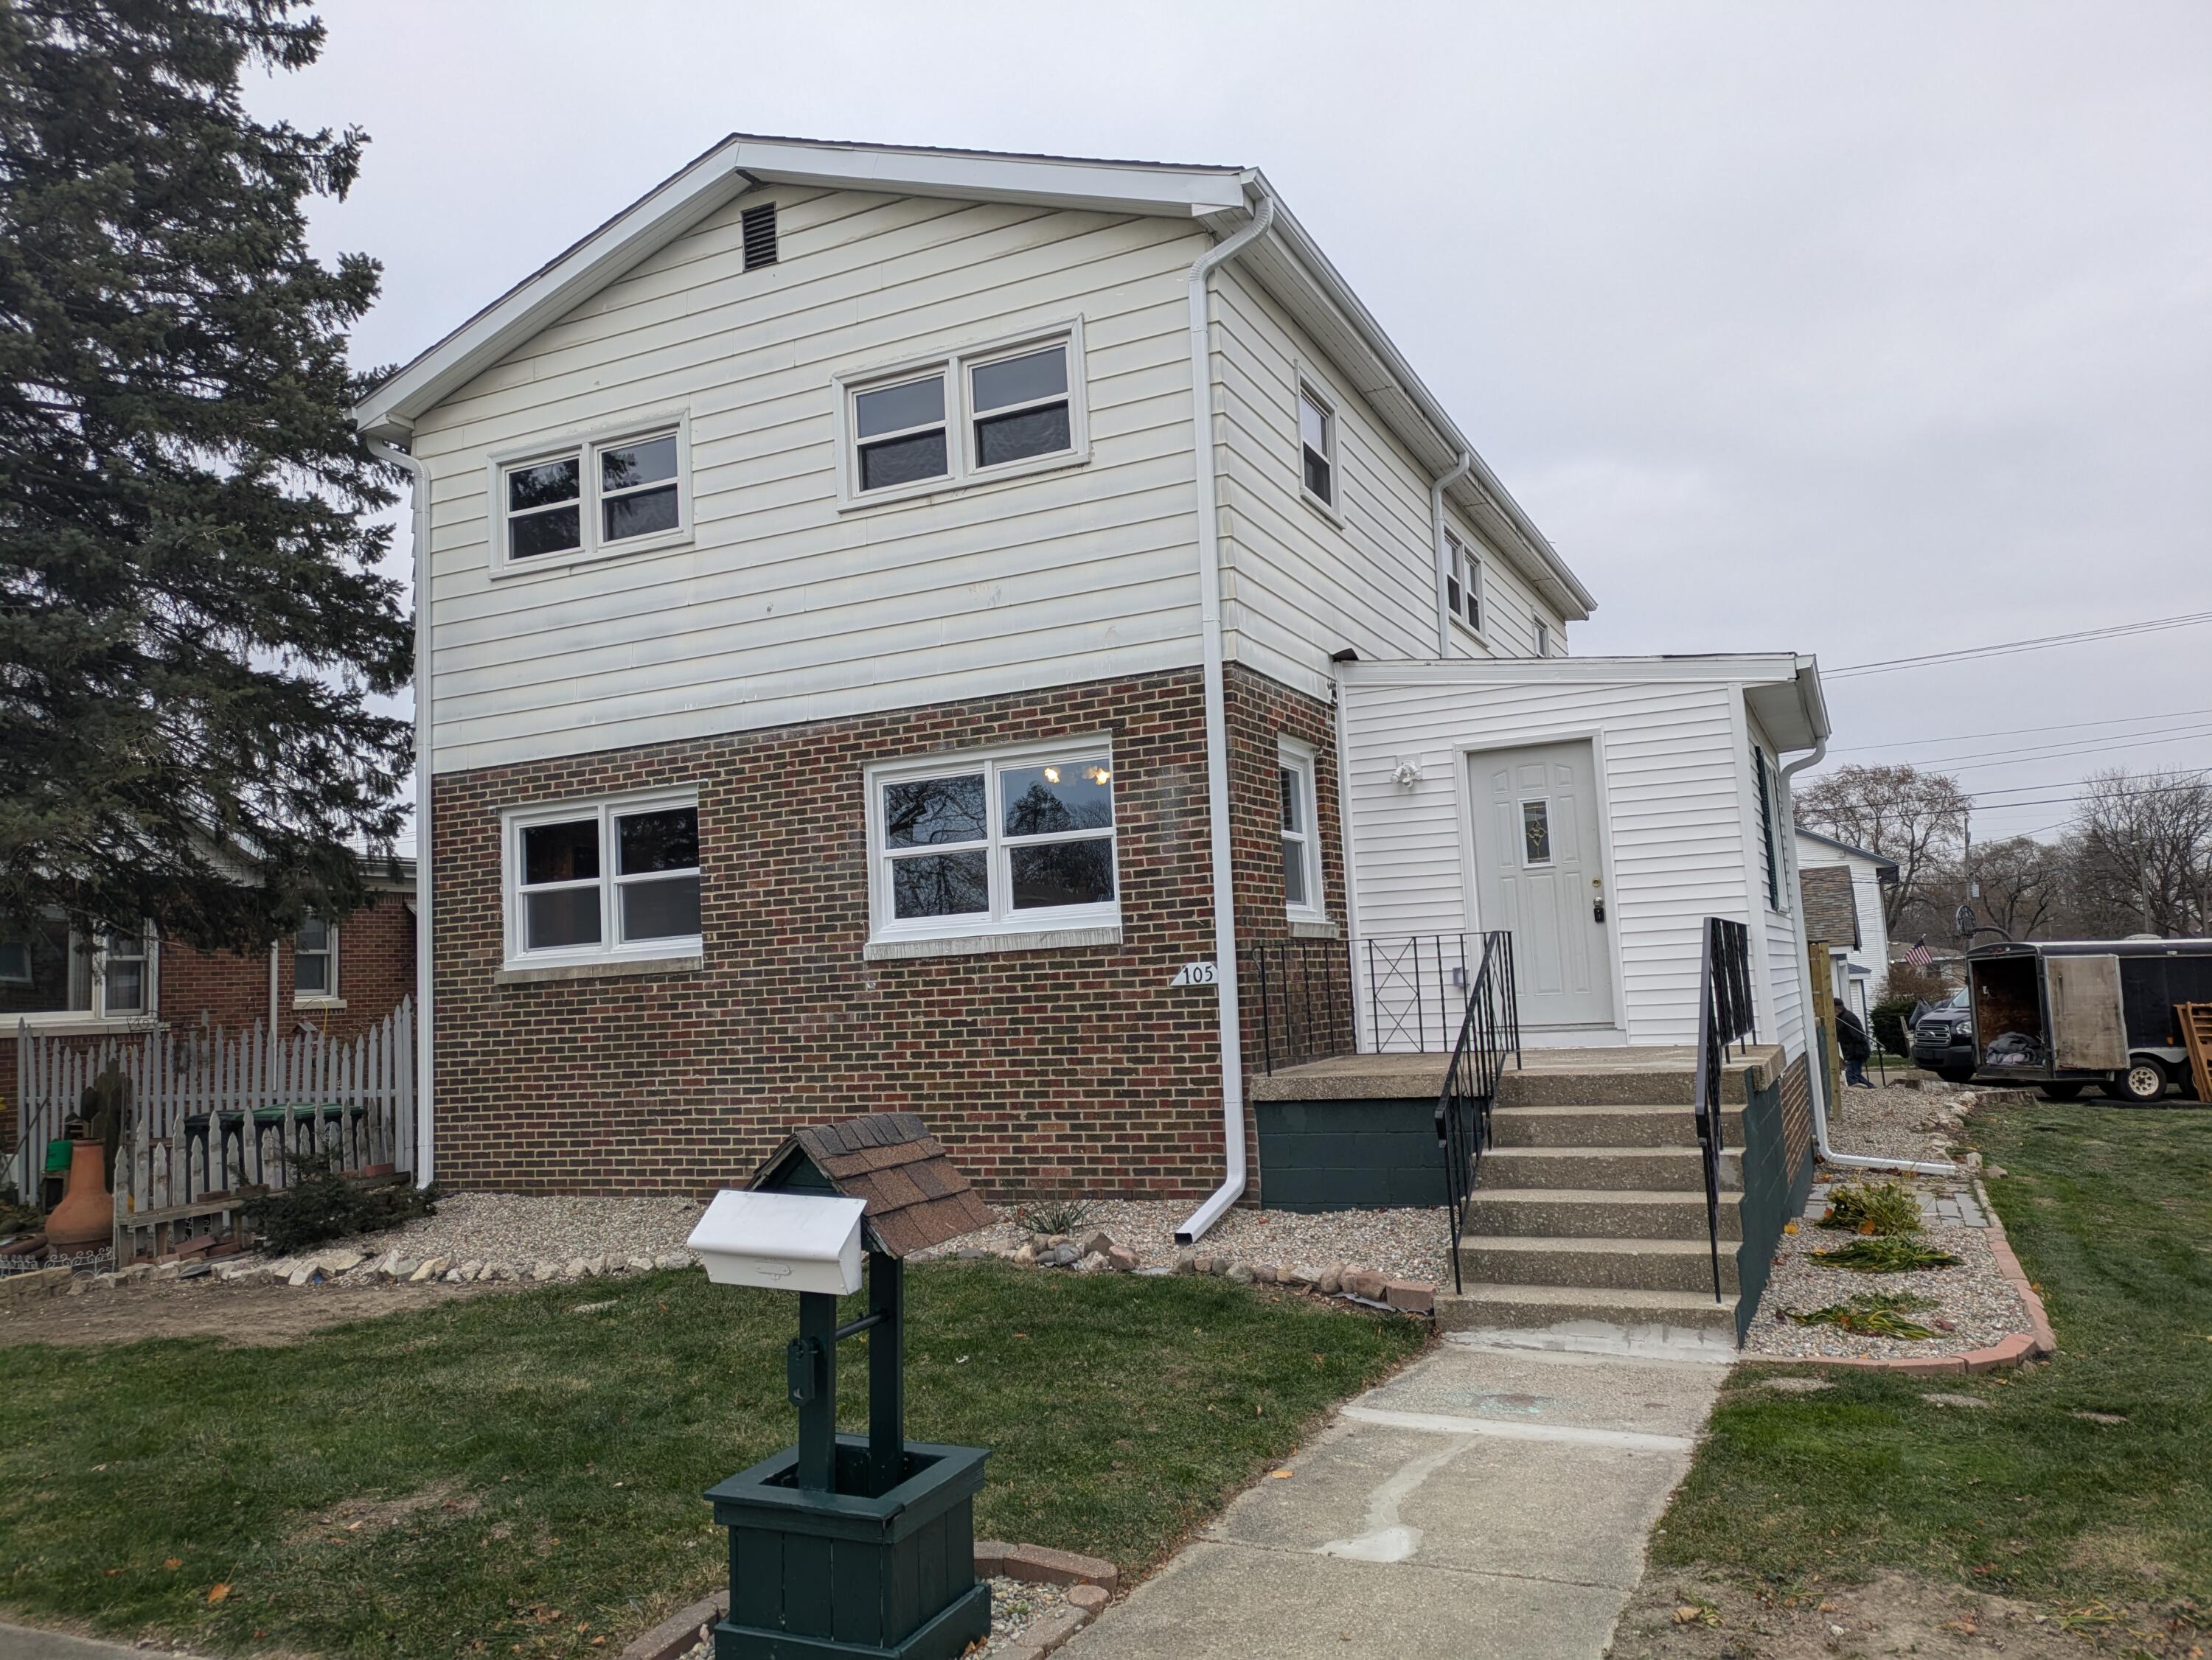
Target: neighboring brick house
(340,978)
(876,601)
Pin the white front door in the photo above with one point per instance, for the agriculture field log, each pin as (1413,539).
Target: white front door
(1539,873)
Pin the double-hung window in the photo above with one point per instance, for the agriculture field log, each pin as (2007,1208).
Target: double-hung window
(1294,771)
(1007,842)
(1543,638)
(315,961)
(50,971)
(1463,581)
(1005,408)
(603,882)
(1317,447)
(617,495)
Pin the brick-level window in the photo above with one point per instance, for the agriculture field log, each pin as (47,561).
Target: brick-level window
(315,961)
(1294,769)
(50,971)
(600,881)
(1008,841)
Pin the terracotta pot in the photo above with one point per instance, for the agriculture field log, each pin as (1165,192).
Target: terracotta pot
(86,1215)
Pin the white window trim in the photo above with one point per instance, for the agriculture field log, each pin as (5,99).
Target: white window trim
(1458,548)
(331,996)
(1300,758)
(585,446)
(1310,386)
(609,949)
(1542,630)
(97,1016)
(954,363)
(1074,924)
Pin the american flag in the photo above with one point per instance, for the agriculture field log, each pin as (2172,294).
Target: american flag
(1920,956)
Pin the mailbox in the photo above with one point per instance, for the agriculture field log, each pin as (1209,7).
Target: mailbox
(846,1544)
(783,1241)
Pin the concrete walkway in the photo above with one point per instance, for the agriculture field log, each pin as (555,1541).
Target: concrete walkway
(22,1643)
(1484,1503)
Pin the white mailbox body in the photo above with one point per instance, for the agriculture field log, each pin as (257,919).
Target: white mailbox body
(783,1241)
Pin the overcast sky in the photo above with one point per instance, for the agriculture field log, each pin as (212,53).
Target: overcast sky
(1863,329)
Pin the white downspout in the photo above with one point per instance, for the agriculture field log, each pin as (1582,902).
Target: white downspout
(273,977)
(1217,729)
(419,477)
(1816,1067)
(1437,488)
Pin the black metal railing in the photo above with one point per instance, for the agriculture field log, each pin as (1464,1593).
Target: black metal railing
(1416,986)
(1489,1031)
(1297,999)
(1726,1019)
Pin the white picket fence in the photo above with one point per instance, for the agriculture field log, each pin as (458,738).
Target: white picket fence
(213,1115)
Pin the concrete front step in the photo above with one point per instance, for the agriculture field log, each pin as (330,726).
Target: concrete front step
(1568,1309)
(1634,1169)
(1597,1265)
(1607,1126)
(1598,1214)
(1628,1087)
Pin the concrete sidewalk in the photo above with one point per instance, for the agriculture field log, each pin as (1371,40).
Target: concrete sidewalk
(1487,1502)
(22,1643)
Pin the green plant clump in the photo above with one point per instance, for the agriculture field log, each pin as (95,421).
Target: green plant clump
(1882,1255)
(1874,1207)
(1052,1215)
(1874,1314)
(323,1203)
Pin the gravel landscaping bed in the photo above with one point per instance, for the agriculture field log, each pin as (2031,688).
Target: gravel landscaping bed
(1402,1244)
(1975,1298)
(521,1228)
(1016,1606)
(1898,1122)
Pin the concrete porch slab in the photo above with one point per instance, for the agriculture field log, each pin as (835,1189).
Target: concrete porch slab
(1616,1073)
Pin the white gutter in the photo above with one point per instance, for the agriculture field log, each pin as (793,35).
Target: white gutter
(1816,1067)
(1437,488)
(419,476)
(1217,728)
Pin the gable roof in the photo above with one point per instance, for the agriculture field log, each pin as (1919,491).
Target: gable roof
(916,1197)
(1287,262)
(1885,869)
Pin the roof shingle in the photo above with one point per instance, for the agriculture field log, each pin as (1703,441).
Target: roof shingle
(916,1196)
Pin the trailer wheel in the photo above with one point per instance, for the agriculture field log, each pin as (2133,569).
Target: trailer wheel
(2143,1082)
(2062,1092)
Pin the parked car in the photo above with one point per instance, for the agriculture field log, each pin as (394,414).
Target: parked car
(2070,1015)
(1943,1038)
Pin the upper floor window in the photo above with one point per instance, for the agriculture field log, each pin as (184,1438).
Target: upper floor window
(1012,841)
(315,961)
(1010,407)
(1317,446)
(1294,771)
(1463,581)
(602,881)
(48,968)
(1543,638)
(612,495)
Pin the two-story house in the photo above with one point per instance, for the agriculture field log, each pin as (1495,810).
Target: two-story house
(888,613)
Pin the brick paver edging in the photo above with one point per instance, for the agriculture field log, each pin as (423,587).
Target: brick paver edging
(994,1560)
(2038,1343)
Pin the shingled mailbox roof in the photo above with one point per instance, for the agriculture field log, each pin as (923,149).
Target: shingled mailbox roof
(1831,912)
(916,1198)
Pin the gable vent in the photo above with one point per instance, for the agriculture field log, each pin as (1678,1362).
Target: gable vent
(760,235)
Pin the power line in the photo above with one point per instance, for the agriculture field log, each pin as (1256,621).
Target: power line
(2014,731)
(1990,758)
(2010,647)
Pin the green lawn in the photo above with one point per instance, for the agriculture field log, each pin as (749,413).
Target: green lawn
(2111,1212)
(526,1478)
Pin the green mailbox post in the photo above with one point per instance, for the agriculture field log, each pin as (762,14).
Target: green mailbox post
(848,1545)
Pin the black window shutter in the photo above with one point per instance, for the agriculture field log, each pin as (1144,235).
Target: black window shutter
(1766,830)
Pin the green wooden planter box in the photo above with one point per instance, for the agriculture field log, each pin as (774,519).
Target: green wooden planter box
(815,1574)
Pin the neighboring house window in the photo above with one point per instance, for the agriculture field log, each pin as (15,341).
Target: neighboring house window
(968,416)
(1463,581)
(610,495)
(48,968)
(1543,638)
(315,960)
(1317,446)
(600,881)
(1770,864)
(1294,771)
(1009,842)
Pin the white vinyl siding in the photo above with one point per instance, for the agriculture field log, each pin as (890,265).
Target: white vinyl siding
(1672,771)
(779,608)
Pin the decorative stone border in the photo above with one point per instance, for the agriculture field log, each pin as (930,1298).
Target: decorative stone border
(1091,1584)
(2038,1343)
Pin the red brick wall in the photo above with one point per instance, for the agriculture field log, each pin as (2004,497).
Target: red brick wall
(1042,1070)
